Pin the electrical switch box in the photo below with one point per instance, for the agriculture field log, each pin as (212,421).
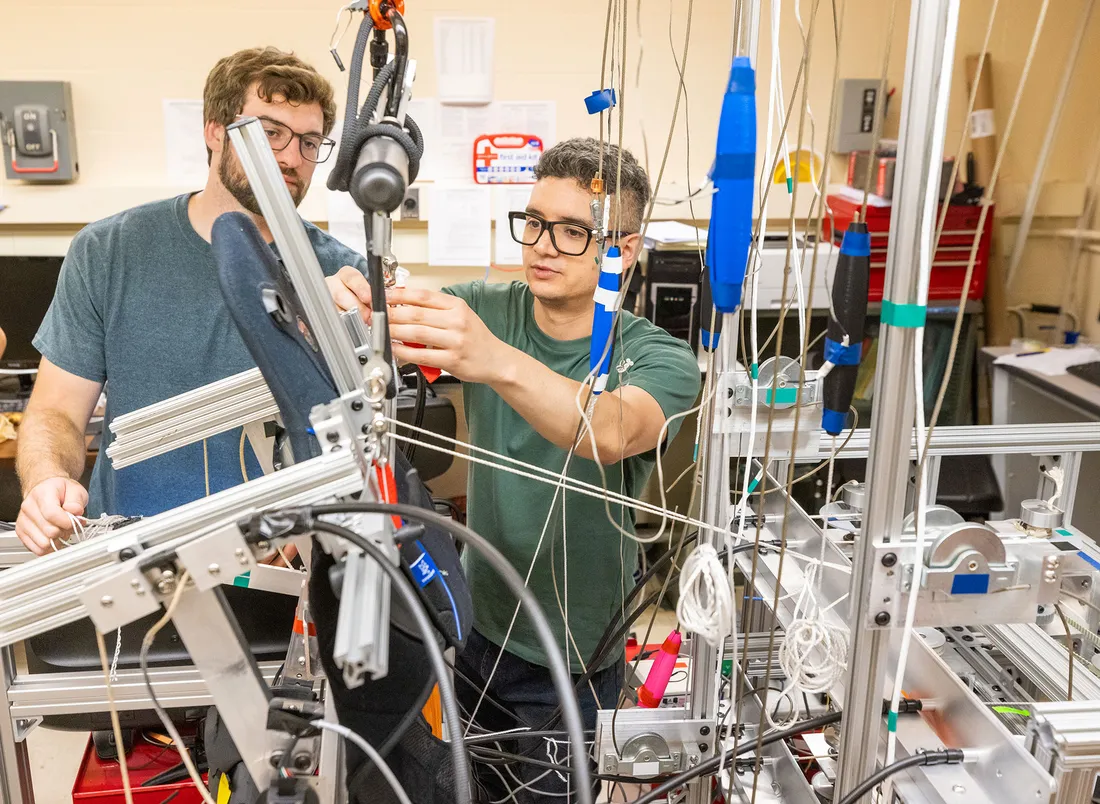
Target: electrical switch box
(38,131)
(854,128)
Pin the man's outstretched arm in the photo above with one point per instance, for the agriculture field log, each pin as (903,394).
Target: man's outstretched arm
(625,422)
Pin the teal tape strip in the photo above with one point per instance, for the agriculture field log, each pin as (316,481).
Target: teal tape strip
(892,721)
(903,315)
(241,580)
(752,486)
(754,370)
(1063,532)
(783,396)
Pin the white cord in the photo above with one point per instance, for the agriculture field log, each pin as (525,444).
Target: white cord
(371,752)
(583,488)
(705,607)
(1058,476)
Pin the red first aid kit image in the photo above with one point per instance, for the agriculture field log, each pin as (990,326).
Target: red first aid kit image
(948,263)
(506,158)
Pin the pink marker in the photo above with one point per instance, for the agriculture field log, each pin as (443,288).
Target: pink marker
(664,663)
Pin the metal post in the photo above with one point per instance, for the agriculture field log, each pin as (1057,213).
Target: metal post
(266,180)
(15,766)
(932,27)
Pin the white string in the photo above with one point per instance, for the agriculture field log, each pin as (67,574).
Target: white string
(584,488)
(1058,476)
(371,752)
(705,607)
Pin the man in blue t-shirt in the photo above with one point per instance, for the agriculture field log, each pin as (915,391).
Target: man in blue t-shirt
(138,308)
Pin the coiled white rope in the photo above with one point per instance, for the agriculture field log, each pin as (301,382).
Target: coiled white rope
(705,607)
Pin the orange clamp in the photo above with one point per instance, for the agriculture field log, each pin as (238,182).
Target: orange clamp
(379,10)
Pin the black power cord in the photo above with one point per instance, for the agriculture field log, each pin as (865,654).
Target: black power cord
(946,756)
(304,519)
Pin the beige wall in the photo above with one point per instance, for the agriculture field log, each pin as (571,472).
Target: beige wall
(124,56)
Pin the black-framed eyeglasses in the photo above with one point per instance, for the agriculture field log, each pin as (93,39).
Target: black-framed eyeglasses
(313,147)
(567,237)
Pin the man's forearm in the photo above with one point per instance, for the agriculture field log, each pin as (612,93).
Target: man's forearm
(49,445)
(548,402)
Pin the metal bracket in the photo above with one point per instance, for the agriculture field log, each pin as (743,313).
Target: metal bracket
(23,726)
(119,599)
(217,558)
(968,587)
(651,742)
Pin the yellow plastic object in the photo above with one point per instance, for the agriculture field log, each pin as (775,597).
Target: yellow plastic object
(801,162)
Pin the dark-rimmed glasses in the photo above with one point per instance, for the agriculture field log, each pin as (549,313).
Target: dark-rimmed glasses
(313,147)
(567,237)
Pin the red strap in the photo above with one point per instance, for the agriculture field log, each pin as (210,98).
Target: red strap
(300,628)
(388,485)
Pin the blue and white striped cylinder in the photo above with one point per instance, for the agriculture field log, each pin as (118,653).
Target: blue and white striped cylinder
(606,297)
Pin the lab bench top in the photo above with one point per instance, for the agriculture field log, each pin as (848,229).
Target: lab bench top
(1075,390)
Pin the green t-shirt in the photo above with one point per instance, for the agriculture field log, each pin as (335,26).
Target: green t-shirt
(511,511)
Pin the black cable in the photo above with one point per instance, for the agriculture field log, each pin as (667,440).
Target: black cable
(400,58)
(558,669)
(418,410)
(947,756)
(404,588)
(452,506)
(711,765)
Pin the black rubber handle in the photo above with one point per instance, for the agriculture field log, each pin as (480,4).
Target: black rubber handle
(850,310)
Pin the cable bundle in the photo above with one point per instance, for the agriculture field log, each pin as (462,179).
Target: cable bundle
(706,598)
(814,652)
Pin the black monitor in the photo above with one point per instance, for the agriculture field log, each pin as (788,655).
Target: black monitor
(26,289)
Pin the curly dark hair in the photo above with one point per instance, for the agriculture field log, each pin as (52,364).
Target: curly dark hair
(579,159)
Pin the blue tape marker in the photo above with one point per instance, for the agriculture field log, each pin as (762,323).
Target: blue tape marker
(856,244)
(710,339)
(834,422)
(840,355)
(1089,559)
(600,101)
(970,584)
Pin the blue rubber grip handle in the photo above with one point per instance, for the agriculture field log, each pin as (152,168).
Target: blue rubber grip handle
(602,320)
(730,233)
(850,307)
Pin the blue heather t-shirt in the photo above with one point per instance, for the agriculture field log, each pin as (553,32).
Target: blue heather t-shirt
(138,306)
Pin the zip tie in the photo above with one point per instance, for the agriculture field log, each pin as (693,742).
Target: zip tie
(907,316)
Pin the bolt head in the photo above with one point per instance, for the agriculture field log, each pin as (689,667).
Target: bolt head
(302,761)
(126,553)
(214,569)
(332,436)
(889,560)
(972,566)
(882,618)
(106,601)
(275,759)
(703,748)
(704,731)
(242,556)
(357,405)
(365,429)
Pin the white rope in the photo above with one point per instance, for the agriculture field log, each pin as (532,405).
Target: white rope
(586,489)
(706,600)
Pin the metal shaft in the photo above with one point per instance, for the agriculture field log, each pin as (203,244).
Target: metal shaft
(932,27)
(266,180)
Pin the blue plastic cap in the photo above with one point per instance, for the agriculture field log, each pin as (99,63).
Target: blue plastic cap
(742,76)
(726,297)
(709,339)
(1071,337)
(856,244)
(834,422)
(600,101)
(614,252)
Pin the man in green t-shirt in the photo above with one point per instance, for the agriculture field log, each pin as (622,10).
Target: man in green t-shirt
(522,352)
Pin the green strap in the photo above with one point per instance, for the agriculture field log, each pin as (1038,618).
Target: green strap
(909,316)
(783,396)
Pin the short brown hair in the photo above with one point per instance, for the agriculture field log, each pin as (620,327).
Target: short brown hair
(579,159)
(276,71)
